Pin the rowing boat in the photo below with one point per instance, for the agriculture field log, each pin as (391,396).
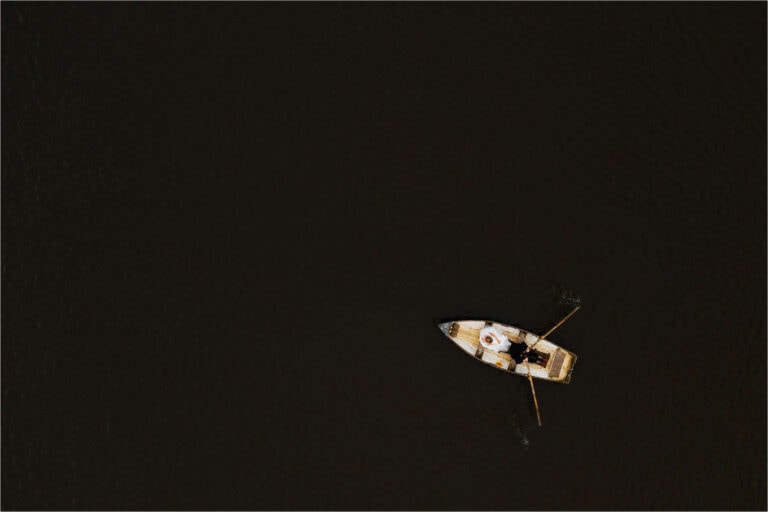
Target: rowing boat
(483,340)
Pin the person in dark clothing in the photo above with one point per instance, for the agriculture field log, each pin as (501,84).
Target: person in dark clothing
(518,351)
(521,351)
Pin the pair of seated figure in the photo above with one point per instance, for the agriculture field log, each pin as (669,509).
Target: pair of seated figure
(492,339)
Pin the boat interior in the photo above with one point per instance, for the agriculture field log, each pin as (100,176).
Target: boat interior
(547,360)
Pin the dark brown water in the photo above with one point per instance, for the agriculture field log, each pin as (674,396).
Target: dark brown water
(230,230)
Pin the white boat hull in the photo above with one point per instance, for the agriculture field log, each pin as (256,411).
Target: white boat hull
(466,335)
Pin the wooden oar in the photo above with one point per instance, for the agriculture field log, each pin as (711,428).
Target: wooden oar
(561,322)
(528,365)
(533,390)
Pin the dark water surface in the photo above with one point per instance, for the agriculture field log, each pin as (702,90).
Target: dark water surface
(229,232)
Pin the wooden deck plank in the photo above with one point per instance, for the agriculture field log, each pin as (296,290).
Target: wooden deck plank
(557,364)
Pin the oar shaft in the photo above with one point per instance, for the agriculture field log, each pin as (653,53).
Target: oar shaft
(533,391)
(528,365)
(561,322)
